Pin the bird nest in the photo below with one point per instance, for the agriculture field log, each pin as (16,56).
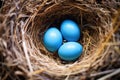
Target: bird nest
(23,23)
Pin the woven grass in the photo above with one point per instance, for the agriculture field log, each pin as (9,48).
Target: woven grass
(23,23)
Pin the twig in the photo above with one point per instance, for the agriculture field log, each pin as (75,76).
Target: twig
(37,72)
(25,50)
(112,43)
(102,73)
(110,75)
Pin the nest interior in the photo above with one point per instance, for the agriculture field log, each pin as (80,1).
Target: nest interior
(23,40)
(93,28)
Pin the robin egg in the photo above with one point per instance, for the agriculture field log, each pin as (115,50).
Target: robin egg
(52,39)
(70,30)
(70,51)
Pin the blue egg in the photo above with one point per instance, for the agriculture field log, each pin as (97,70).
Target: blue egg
(70,30)
(52,39)
(70,51)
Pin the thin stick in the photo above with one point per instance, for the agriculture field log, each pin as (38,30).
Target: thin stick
(37,71)
(112,44)
(110,75)
(25,50)
(102,73)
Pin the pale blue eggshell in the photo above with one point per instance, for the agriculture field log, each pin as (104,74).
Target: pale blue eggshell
(70,51)
(52,39)
(70,30)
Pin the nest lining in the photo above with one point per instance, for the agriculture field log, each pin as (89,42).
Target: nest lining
(94,23)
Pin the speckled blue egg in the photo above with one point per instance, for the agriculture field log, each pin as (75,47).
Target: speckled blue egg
(70,51)
(70,30)
(52,39)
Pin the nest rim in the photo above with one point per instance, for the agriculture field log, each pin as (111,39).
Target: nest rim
(61,69)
